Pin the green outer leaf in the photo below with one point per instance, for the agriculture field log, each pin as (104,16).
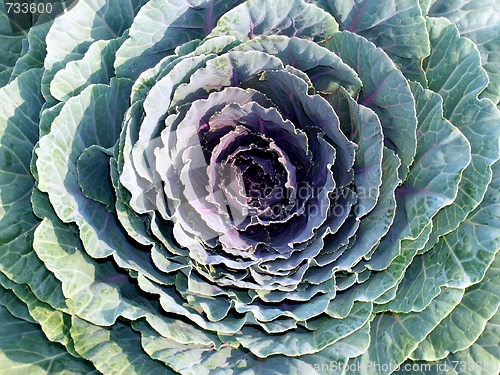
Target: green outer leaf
(34,50)
(385,90)
(196,360)
(362,126)
(88,294)
(460,258)
(92,118)
(25,350)
(113,350)
(169,300)
(69,37)
(101,292)
(442,154)
(453,70)
(466,323)
(91,166)
(483,357)
(96,66)
(407,246)
(13,304)
(48,114)
(54,323)
(326,70)
(327,331)
(11,46)
(338,353)
(19,116)
(395,336)
(478,20)
(21,102)
(379,283)
(283,17)
(161,26)
(377,223)
(10,50)
(227,360)
(396,26)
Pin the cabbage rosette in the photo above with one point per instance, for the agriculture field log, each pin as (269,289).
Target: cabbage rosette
(268,187)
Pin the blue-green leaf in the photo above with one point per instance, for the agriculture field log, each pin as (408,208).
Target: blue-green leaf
(161,26)
(466,323)
(396,26)
(24,349)
(454,71)
(478,20)
(385,90)
(395,336)
(284,17)
(482,357)
(460,258)
(69,38)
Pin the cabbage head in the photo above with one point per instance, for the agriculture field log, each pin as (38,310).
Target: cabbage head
(251,187)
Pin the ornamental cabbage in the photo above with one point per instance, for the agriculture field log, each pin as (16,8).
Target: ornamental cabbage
(251,187)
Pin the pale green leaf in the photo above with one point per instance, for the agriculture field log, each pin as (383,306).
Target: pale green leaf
(95,66)
(54,323)
(433,179)
(92,118)
(227,360)
(113,350)
(101,292)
